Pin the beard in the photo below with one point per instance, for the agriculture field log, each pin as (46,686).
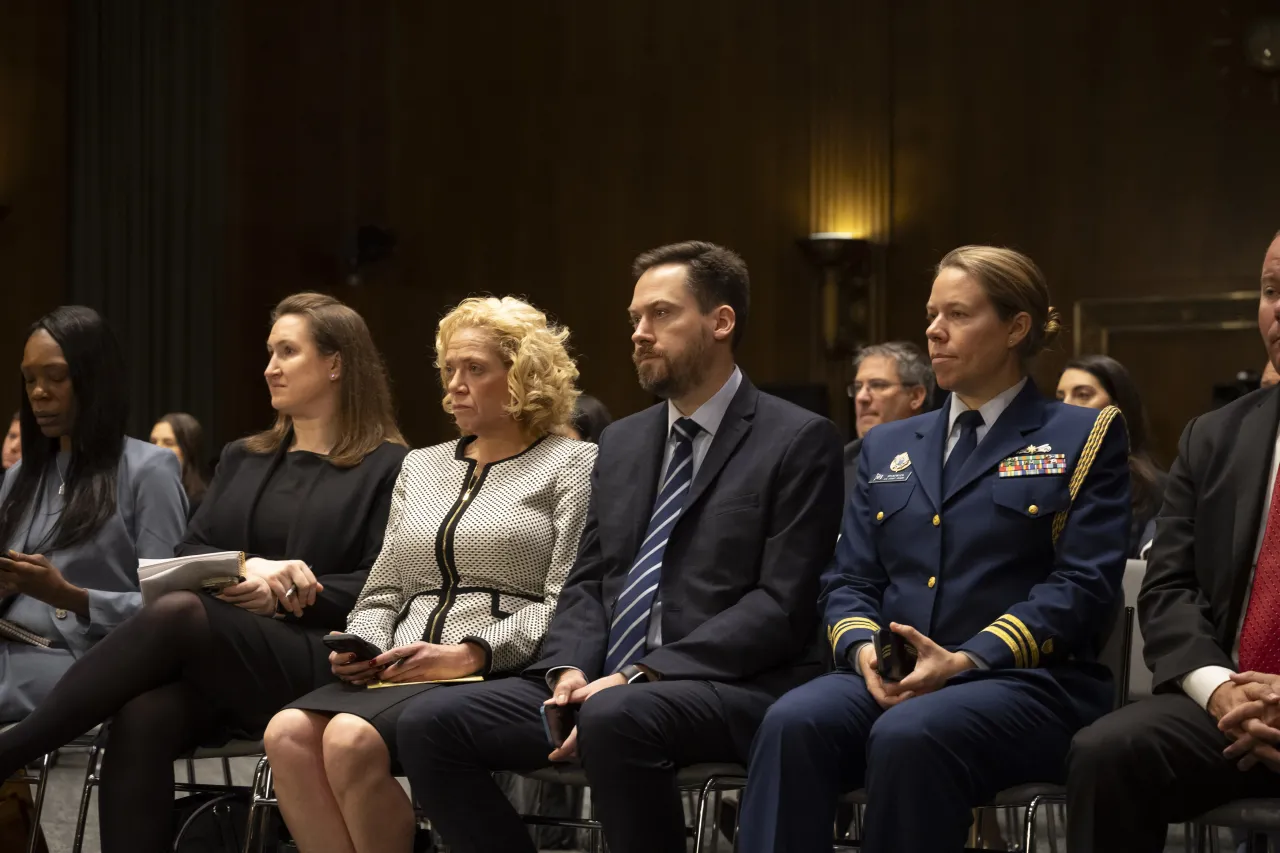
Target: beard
(666,376)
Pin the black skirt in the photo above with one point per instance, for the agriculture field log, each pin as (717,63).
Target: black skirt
(380,706)
(259,666)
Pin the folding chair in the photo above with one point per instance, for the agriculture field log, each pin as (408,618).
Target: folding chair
(40,780)
(225,791)
(706,781)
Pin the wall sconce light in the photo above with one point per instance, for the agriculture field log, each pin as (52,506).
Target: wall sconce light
(839,257)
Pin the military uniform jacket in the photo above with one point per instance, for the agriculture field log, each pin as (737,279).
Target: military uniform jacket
(1020,564)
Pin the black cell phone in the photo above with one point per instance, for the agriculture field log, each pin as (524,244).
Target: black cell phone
(558,721)
(350,644)
(895,657)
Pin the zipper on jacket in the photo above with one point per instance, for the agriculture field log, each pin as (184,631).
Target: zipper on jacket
(445,556)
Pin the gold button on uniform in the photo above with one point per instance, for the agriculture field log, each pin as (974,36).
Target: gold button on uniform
(932,582)
(1033,509)
(937,520)
(60,613)
(879,516)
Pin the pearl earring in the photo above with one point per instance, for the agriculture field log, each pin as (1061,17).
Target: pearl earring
(335,376)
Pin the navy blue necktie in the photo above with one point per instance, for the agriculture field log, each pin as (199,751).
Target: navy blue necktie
(968,422)
(630,625)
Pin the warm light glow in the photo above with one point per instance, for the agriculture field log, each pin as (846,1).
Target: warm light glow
(845,223)
(831,235)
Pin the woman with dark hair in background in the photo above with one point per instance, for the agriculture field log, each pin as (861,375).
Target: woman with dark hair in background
(182,434)
(307,501)
(590,417)
(80,509)
(1098,381)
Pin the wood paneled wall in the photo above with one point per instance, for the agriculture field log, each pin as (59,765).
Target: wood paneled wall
(1114,143)
(33,174)
(536,148)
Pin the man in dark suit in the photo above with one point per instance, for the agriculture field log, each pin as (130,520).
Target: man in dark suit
(1210,614)
(692,604)
(892,381)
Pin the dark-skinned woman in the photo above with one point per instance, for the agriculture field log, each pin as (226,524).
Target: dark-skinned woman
(80,509)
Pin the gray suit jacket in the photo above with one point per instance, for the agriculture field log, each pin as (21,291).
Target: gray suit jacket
(149,522)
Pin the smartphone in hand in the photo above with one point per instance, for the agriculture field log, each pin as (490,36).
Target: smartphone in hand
(350,644)
(557,722)
(895,657)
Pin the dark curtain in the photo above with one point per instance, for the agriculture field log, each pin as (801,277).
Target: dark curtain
(148,106)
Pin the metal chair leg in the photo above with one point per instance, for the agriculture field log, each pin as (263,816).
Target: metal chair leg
(700,822)
(90,782)
(226,772)
(1029,827)
(191,772)
(41,787)
(256,830)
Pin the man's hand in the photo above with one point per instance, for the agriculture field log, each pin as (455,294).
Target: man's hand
(869,665)
(253,594)
(580,693)
(934,664)
(35,576)
(1247,709)
(429,662)
(283,575)
(568,681)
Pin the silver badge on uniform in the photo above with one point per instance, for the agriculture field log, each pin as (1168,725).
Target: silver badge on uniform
(901,462)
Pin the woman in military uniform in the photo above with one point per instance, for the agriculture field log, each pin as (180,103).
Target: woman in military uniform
(990,536)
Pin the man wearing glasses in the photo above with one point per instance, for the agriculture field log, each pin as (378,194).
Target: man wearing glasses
(892,381)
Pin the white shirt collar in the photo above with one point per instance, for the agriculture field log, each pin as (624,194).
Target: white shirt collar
(711,413)
(990,410)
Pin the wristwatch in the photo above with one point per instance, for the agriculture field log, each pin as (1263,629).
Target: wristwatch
(633,673)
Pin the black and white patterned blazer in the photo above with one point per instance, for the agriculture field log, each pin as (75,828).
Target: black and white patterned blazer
(478,557)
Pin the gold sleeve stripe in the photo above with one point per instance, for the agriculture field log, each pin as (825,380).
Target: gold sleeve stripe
(1021,630)
(851,620)
(1013,632)
(850,625)
(1091,446)
(1003,633)
(837,630)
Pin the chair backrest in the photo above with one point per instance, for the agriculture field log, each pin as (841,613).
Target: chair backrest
(1139,675)
(1115,652)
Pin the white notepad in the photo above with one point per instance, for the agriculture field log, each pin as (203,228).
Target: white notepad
(199,572)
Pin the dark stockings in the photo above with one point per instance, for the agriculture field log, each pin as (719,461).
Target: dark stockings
(144,677)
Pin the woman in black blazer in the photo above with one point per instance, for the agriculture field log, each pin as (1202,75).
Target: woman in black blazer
(307,501)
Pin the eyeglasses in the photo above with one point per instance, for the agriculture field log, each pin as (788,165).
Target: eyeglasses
(877,387)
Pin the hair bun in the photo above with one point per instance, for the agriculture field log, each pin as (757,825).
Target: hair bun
(1052,326)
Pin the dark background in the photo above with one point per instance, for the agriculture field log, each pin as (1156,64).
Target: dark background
(183,166)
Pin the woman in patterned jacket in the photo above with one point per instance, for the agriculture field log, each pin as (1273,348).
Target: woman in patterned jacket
(481,536)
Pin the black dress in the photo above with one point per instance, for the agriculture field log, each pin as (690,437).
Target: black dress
(285,506)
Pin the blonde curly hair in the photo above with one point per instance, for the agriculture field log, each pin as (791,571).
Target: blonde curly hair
(541,375)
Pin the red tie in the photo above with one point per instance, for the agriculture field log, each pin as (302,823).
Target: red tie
(1260,636)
